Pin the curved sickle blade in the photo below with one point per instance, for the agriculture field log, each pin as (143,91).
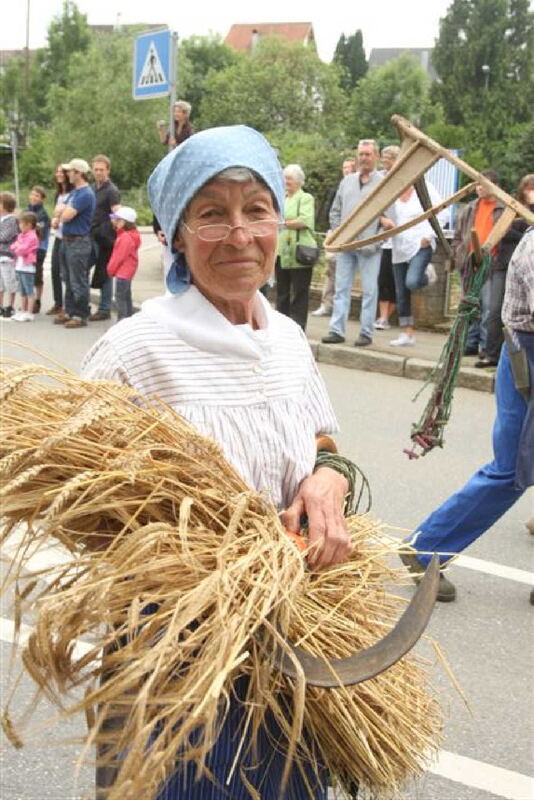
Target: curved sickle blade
(367,663)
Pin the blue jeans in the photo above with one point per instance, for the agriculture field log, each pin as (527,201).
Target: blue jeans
(346,265)
(477,333)
(409,276)
(123,289)
(76,255)
(25,282)
(106,295)
(491,491)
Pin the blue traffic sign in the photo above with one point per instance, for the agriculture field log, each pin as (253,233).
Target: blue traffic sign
(152,65)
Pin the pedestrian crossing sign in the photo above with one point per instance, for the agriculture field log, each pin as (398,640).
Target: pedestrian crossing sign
(152,64)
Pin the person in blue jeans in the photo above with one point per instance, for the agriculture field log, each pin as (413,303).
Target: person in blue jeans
(76,217)
(495,487)
(351,191)
(412,251)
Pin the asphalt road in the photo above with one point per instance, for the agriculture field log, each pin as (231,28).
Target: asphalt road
(487,633)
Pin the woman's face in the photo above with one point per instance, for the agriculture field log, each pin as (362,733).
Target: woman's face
(234,268)
(387,159)
(292,185)
(60,175)
(179,114)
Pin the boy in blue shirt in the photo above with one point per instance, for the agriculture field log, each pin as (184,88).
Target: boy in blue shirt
(37,197)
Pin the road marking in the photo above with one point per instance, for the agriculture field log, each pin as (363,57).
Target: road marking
(491,568)
(480,775)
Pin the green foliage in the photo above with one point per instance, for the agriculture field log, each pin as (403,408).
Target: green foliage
(279,86)
(37,164)
(349,55)
(68,34)
(321,160)
(198,57)
(399,87)
(484,56)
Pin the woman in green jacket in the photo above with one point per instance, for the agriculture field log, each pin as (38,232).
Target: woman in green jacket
(293,279)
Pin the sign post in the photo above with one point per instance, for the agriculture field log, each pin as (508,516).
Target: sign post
(154,68)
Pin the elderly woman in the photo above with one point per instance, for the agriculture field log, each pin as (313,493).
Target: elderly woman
(241,373)
(293,279)
(182,127)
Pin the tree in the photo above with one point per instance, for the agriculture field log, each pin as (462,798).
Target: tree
(350,56)
(399,87)
(279,86)
(484,56)
(68,34)
(198,57)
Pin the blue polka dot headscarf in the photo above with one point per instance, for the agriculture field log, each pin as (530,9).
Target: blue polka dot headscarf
(179,176)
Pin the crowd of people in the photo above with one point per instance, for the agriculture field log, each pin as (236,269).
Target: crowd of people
(96,245)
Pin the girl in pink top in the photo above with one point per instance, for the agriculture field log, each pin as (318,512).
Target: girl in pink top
(24,248)
(124,259)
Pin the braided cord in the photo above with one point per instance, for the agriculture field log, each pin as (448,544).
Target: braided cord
(358,484)
(428,432)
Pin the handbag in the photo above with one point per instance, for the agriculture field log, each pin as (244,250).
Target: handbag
(306,254)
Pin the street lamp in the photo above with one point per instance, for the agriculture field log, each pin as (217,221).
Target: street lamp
(486,69)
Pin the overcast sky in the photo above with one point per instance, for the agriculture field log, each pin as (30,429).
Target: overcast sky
(389,23)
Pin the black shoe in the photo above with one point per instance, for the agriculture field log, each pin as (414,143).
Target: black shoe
(36,306)
(332,338)
(446,589)
(471,351)
(8,311)
(363,341)
(485,362)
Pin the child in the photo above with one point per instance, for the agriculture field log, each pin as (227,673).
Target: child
(36,197)
(9,229)
(25,250)
(124,259)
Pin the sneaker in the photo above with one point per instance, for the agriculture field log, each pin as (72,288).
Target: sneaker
(75,322)
(20,316)
(54,310)
(363,341)
(322,311)
(332,338)
(100,315)
(61,319)
(446,589)
(431,274)
(382,325)
(8,312)
(403,340)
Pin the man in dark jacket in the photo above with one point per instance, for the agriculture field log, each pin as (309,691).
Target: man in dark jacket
(107,200)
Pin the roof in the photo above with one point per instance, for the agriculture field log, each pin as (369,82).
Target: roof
(423,55)
(242,37)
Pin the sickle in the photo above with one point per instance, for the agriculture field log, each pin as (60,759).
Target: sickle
(332,673)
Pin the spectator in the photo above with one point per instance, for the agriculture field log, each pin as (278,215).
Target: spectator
(293,279)
(124,259)
(481,214)
(63,189)
(77,216)
(411,253)
(37,197)
(352,190)
(327,297)
(495,487)
(386,283)
(182,127)
(497,278)
(107,200)
(24,248)
(9,229)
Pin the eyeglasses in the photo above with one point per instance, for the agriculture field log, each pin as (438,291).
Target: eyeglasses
(218,233)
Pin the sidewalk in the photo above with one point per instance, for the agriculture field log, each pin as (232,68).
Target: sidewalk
(408,362)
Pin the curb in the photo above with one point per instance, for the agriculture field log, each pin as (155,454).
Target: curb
(418,369)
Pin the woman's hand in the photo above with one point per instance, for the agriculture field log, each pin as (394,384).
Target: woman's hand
(425,243)
(321,497)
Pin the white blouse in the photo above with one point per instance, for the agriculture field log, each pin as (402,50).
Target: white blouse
(406,244)
(258,393)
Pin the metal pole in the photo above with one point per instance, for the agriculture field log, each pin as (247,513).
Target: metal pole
(15,166)
(172,82)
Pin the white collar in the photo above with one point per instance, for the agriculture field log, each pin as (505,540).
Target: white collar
(193,319)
